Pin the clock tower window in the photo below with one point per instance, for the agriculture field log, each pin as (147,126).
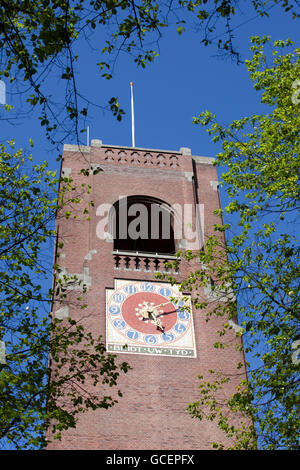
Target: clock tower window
(142,224)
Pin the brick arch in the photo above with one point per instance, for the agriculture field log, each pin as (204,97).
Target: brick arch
(144,224)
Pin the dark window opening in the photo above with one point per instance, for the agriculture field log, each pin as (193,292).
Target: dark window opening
(143,224)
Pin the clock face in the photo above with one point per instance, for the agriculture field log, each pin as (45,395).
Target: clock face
(149,318)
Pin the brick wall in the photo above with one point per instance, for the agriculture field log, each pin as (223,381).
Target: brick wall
(151,414)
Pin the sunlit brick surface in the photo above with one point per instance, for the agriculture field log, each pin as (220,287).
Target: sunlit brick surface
(152,412)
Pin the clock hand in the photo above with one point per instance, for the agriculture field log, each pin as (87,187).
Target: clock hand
(158,323)
(161,305)
(148,312)
(161,312)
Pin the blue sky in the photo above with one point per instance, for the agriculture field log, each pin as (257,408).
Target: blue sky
(186,79)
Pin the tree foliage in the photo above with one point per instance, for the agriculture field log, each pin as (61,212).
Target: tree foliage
(33,349)
(39,40)
(256,272)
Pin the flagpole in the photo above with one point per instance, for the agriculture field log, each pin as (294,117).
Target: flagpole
(132,116)
(2,92)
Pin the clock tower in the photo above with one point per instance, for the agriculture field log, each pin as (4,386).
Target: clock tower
(145,205)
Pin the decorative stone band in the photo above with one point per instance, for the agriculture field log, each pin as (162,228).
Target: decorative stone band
(145,262)
(140,158)
(177,352)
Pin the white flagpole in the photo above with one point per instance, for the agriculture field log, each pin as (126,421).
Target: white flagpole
(88,136)
(132,116)
(2,92)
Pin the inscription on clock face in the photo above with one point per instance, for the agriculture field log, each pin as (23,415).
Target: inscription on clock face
(149,318)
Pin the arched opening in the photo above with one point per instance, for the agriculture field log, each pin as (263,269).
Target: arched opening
(144,224)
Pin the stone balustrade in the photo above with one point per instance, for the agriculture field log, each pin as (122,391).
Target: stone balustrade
(141,158)
(145,262)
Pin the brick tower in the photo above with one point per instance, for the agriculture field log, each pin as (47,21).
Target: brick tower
(147,204)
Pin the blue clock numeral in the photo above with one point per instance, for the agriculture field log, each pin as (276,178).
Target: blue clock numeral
(119,298)
(132,334)
(180,328)
(147,287)
(167,336)
(150,339)
(114,310)
(165,292)
(184,315)
(131,289)
(119,324)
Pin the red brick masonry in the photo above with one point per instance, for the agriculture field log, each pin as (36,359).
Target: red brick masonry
(152,413)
